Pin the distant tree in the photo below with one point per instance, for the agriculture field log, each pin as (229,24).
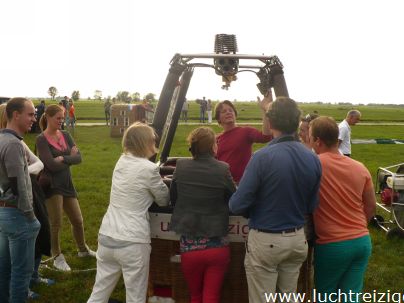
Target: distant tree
(150,97)
(75,95)
(136,97)
(52,91)
(98,95)
(123,96)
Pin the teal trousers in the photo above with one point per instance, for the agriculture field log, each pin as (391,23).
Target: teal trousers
(339,268)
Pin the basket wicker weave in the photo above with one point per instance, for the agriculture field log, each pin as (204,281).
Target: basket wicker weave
(235,284)
(160,265)
(179,285)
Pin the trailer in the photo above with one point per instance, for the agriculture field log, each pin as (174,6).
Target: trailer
(389,184)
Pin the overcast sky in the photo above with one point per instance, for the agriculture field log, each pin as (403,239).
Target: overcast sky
(332,51)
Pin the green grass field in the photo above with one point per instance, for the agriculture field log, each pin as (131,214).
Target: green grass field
(92,179)
(248,111)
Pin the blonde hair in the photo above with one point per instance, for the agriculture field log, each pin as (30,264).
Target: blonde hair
(50,111)
(201,141)
(138,139)
(3,116)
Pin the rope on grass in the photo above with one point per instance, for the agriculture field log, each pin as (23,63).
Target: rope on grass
(45,265)
(70,271)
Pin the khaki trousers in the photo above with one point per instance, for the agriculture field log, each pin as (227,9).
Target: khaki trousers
(55,206)
(272,262)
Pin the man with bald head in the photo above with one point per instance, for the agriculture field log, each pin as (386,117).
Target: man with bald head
(344,137)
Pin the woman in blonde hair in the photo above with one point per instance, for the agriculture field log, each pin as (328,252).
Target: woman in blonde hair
(58,152)
(3,119)
(124,236)
(200,189)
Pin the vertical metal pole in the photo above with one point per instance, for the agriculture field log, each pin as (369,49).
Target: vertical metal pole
(279,83)
(166,95)
(185,80)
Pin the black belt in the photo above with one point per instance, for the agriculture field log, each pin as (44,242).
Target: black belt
(6,204)
(284,231)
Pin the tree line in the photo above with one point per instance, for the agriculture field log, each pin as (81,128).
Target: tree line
(121,96)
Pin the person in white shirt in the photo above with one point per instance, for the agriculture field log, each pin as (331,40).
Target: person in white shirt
(344,137)
(184,111)
(124,236)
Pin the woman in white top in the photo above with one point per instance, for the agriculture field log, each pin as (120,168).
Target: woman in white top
(124,236)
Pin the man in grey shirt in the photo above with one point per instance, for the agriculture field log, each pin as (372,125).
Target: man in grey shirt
(18,224)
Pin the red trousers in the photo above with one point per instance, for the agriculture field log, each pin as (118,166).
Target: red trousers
(204,272)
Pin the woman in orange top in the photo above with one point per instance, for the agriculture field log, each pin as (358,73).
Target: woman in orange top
(72,117)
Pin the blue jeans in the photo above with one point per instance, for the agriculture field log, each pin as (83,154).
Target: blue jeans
(202,116)
(17,252)
(35,274)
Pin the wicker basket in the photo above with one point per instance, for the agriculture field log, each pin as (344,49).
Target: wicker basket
(179,286)
(235,284)
(160,265)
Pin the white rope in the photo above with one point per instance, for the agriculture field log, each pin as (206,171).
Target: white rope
(44,265)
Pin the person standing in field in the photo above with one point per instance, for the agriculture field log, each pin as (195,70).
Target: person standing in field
(107,110)
(344,137)
(124,236)
(347,203)
(279,187)
(202,109)
(209,111)
(42,243)
(72,117)
(200,190)
(184,111)
(235,142)
(58,152)
(18,225)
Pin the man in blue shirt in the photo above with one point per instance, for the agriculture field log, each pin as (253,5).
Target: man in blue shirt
(278,188)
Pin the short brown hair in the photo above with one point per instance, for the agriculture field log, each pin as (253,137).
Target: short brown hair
(326,129)
(219,107)
(284,115)
(137,140)
(15,104)
(201,141)
(50,111)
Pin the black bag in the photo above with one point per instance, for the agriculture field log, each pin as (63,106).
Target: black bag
(42,244)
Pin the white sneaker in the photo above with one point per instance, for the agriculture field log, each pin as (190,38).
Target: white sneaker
(32,295)
(60,263)
(87,253)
